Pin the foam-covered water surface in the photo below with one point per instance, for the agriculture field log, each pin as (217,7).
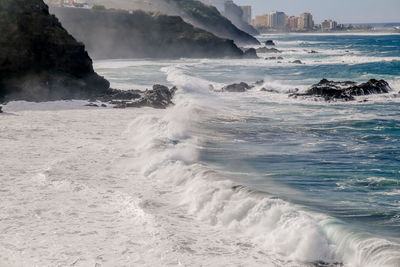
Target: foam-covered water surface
(219,179)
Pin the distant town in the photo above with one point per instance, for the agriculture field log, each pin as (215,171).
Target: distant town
(241,16)
(278,21)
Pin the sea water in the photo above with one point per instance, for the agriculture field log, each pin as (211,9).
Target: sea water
(219,179)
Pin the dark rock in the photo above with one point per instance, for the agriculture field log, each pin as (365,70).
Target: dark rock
(268,50)
(109,34)
(260,82)
(330,90)
(269,42)
(313,52)
(297,62)
(274,58)
(92,105)
(250,53)
(269,90)
(39,60)
(120,105)
(236,87)
(159,97)
(103,105)
(1,109)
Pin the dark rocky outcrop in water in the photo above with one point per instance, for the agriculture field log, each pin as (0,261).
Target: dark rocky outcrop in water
(269,43)
(236,87)
(118,34)
(159,97)
(39,60)
(330,90)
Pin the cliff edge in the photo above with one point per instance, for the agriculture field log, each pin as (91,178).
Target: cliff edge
(111,34)
(39,60)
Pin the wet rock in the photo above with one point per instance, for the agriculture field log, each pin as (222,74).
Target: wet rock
(273,58)
(91,105)
(267,50)
(260,82)
(160,97)
(297,62)
(1,109)
(313,52)
(103,105)
(270,43)
(250,53)
(236,87)
(331,90)
(269,90)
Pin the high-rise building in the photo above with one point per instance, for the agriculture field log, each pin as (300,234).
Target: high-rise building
(306,21)
(277,20)
(261,21)
(292,22)
(246,13)
(328,25)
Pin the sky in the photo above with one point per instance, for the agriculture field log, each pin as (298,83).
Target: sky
(343,11)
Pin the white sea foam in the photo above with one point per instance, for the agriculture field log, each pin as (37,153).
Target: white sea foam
(273,225)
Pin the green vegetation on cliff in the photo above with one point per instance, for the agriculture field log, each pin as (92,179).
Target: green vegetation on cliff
(39,60)
(137,34)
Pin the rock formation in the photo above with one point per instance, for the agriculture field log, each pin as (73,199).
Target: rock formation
(39,60)
(330,90)
(119,34)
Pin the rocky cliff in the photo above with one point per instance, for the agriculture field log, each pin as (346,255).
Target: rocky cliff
(209,18)
(39,60)
(194,12)
(137,34)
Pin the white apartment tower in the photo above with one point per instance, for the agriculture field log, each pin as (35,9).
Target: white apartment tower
(306,21)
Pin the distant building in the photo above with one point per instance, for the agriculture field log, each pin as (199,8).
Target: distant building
(328,25)
(306,22)
(246,13)
(277,20)
(292,23)
(261,21)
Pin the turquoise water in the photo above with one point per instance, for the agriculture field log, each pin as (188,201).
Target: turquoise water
(342,159)
(339,159)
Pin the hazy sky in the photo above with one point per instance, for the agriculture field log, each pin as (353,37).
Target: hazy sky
(344,11)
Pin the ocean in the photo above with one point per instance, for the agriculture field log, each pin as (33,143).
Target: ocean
(256,178)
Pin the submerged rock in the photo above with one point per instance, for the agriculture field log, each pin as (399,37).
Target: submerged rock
(297,62)
(269,42)
(273,58)
(331,90)
(236,87)
(268,50)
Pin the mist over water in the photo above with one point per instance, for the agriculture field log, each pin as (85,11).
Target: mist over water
(300,177)
(219,179)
